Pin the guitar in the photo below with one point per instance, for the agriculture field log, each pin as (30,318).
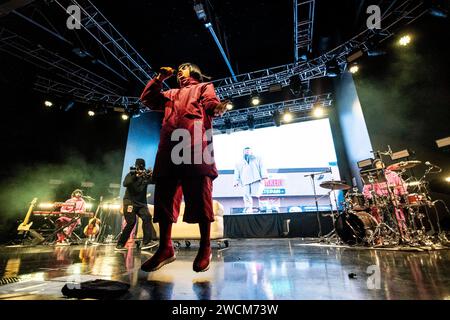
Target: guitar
(93,227)
(25,226)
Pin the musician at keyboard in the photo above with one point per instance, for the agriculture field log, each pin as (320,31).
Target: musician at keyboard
(71,209)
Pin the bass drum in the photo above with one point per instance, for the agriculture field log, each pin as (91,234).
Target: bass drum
(355,227)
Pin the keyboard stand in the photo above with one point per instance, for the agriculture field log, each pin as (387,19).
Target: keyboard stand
(74,219)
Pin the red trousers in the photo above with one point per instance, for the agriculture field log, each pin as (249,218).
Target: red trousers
(197,191)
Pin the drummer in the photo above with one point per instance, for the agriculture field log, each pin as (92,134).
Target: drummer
(397,187)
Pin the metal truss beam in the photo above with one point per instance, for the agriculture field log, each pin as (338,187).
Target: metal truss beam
(262,115)
(83,95)
(303,27)
(58,34)
(50,61)
(111,40)
(9,6)
(402,13)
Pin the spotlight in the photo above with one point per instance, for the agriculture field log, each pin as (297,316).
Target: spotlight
(447,179)
(287,117)
(133,111)
(354,69)
(404,40)
(200,11)
(91,113)
(230,106)
(333,69)
(124,116)
(444,142)
(48,103)
(318,112)
(255,100)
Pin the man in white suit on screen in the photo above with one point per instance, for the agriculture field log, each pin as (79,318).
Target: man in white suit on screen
(250,173)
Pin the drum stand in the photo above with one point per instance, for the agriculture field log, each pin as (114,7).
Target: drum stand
(382,228)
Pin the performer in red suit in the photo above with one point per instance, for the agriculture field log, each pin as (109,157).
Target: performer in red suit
(71,208)
(189,172)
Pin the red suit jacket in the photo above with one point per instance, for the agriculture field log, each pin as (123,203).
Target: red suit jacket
(191,106)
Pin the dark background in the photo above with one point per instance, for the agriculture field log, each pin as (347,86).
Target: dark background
(404,94)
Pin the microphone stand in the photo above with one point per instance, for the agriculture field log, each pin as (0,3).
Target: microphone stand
(312,175)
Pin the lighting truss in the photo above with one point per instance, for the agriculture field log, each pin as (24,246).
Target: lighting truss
(400,14)
(111,40)
(84,95)
(303,27)
(52,62)
(262,115)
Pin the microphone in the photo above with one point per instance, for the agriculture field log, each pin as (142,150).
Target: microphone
(166,72)
(88,197)
(317,173)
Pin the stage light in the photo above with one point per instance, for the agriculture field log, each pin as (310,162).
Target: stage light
(444,142)
(255,100)
(56,182)
(88,206)
(447,179)
(404,40)
(230,106)
(354,69)
(287,117)
(87,184)
(48,103)
(200,11)
(91,113)
(318,112)
(46,205)
(112,206)
(124,117)
(332,69)
(439,8)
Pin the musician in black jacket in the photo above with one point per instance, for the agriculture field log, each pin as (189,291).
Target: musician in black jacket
(135,204)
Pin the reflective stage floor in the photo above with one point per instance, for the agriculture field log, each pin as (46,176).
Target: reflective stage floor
(251,269)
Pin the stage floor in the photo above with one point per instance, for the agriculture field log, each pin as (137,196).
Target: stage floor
(251,269)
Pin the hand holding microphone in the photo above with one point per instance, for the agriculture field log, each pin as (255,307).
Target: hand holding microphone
(164,73)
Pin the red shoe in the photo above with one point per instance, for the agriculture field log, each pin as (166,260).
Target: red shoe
(202,260)
(159,259)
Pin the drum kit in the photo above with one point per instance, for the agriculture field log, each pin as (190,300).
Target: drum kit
(394,208)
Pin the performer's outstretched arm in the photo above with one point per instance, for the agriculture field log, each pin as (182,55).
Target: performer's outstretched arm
(152,96)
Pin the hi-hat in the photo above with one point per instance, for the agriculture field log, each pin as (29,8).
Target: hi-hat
(402,165)
(335,185)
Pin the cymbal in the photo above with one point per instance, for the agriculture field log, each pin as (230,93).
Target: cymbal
(403,165)
(335,185)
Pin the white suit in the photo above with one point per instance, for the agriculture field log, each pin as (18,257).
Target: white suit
(249,175)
